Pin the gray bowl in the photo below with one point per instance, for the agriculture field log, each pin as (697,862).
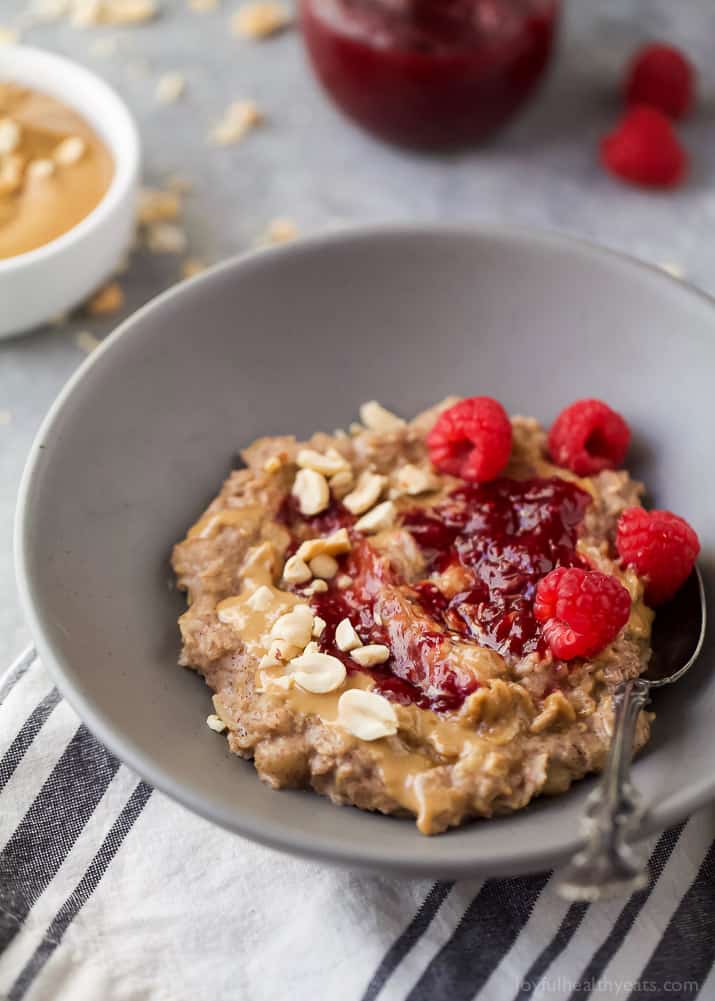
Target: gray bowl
(294,339)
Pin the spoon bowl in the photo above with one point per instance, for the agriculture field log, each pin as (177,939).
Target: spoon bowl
(678,633)
(609,866)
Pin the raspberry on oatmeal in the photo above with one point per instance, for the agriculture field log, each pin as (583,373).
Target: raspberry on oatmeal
(582,611)
(588,437)
(661,547)
(472,439)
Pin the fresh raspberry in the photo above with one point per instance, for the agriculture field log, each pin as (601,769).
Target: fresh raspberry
(582,611)
(588,436)
(660,546)
(472,439)
(661,77)
(644,149)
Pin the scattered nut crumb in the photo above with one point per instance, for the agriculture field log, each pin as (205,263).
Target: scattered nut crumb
(86,341)
(178,184)
(335,544)
(192,266)
(281,231)
(343,581)
(324,566)
(170,87)
(239,118)
(9,36)
(366,715)
(107,300)
(166,238)
(296,570)
(158,214)
(37,170)
(377,418)
(370,655)
(10,173)
(215,723)
(259,20)
(414,480)
(69,151)
(157,206)
(311,491)
(366,492)
(10,134)
(346,637)
(86,13)
(45,11)
(378,519)
(273,464)
(341,483)
(328,463)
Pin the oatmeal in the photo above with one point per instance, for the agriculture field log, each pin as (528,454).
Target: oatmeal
(381,615)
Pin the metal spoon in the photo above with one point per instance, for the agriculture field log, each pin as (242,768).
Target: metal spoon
(608,865)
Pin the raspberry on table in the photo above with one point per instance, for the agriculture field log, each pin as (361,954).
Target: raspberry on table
(582,611)
(661,547)
(644,149)
(661,77)
(472,439)
(587,437)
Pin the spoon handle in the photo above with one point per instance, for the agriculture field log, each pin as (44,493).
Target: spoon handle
(608,865)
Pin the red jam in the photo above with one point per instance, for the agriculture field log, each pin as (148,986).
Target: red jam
(416,671)
(430,73)
(507,535)
(504,535)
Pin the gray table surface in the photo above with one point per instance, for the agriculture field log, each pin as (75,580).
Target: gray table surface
(309,164)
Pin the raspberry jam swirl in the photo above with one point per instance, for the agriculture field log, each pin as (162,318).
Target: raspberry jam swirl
(506,535)
(502,537)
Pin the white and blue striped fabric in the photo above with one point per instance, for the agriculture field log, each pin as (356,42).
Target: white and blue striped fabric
(110,892)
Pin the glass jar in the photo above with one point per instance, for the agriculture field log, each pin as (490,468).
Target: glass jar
(430,73)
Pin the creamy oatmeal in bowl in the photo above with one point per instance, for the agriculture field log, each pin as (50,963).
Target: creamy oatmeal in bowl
(429,618)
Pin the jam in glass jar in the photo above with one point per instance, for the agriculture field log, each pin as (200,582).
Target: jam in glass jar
(430,73)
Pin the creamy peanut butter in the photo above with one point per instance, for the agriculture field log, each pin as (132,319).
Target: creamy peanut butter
(54,169)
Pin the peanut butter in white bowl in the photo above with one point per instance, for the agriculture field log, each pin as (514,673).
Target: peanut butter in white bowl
(69,167)
(54,169)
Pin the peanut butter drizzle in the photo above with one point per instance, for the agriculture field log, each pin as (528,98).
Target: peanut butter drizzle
(37,209)
(451,738)
(397,764)
(251,624)
(211,524)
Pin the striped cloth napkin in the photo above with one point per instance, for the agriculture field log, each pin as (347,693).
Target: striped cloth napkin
(111,892)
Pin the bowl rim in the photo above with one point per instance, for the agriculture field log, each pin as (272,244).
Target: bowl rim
(659,816)
(122,137)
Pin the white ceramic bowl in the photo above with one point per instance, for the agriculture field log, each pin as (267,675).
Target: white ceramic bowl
(52,279)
